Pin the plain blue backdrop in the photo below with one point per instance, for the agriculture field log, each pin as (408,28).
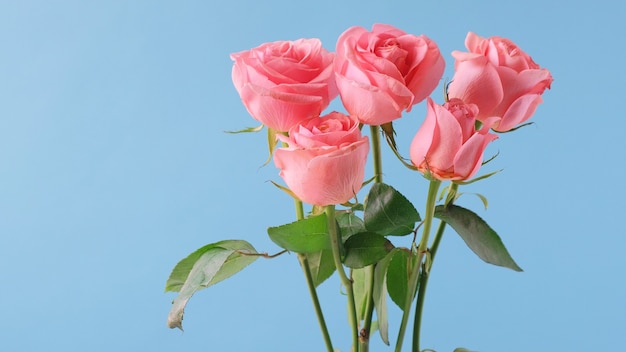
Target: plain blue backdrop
(114,166)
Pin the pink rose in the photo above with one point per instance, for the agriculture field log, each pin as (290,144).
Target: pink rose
(500,79)
(325,161)
(447,144)
(383,72)
(283,83)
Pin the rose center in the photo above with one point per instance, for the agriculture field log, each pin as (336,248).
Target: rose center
(391,50)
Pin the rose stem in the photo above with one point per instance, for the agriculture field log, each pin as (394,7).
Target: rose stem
(419,306)
(347,283)
(364,337)
(421,251)
(304,262)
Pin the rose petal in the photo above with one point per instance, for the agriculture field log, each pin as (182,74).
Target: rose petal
(369,104)
(470,156)
(277,110)
(521,110)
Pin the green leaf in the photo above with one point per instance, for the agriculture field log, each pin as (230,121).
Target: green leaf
(380,294)
(478,236)
(388,212)
(321,264)
(461,349)
(303,236)
(360,285)
(203,268)
(380,304)
(349,224)
(398,277)
(365,249)
(234,263)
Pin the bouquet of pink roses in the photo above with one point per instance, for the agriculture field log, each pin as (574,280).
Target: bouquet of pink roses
(378,74)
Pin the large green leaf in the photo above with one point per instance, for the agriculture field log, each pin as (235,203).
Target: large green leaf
(388,212)
(365,249)
(303,236)
(398,277)
(321,264)
(478,236)
(203,268)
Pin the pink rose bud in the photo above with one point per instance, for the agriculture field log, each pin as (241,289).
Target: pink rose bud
(381,73)
(500,79)
(283,83)
(325,161)
(447,145)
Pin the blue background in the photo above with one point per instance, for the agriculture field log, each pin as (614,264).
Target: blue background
(114,165)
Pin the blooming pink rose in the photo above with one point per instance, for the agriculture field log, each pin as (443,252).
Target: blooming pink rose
(325,161)
(500,79)
(447,144)
(383,72)
(283,83)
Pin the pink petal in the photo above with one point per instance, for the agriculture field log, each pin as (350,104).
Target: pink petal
(469,158)
(517,84)
(279,110)
(477,82)
(370,105)
(521,110)
(448,138)
(474,43)
(336,177)
(423,139)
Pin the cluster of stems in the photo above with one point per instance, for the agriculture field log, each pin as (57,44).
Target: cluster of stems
(419,268)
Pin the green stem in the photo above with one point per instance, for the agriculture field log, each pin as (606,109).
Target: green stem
(299,209)
(421,251)
(347,283)
(433,188)
(316,303)
(436,241)
(376,154)
(304,262)
(364,336)
(421,295)
(419,305)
